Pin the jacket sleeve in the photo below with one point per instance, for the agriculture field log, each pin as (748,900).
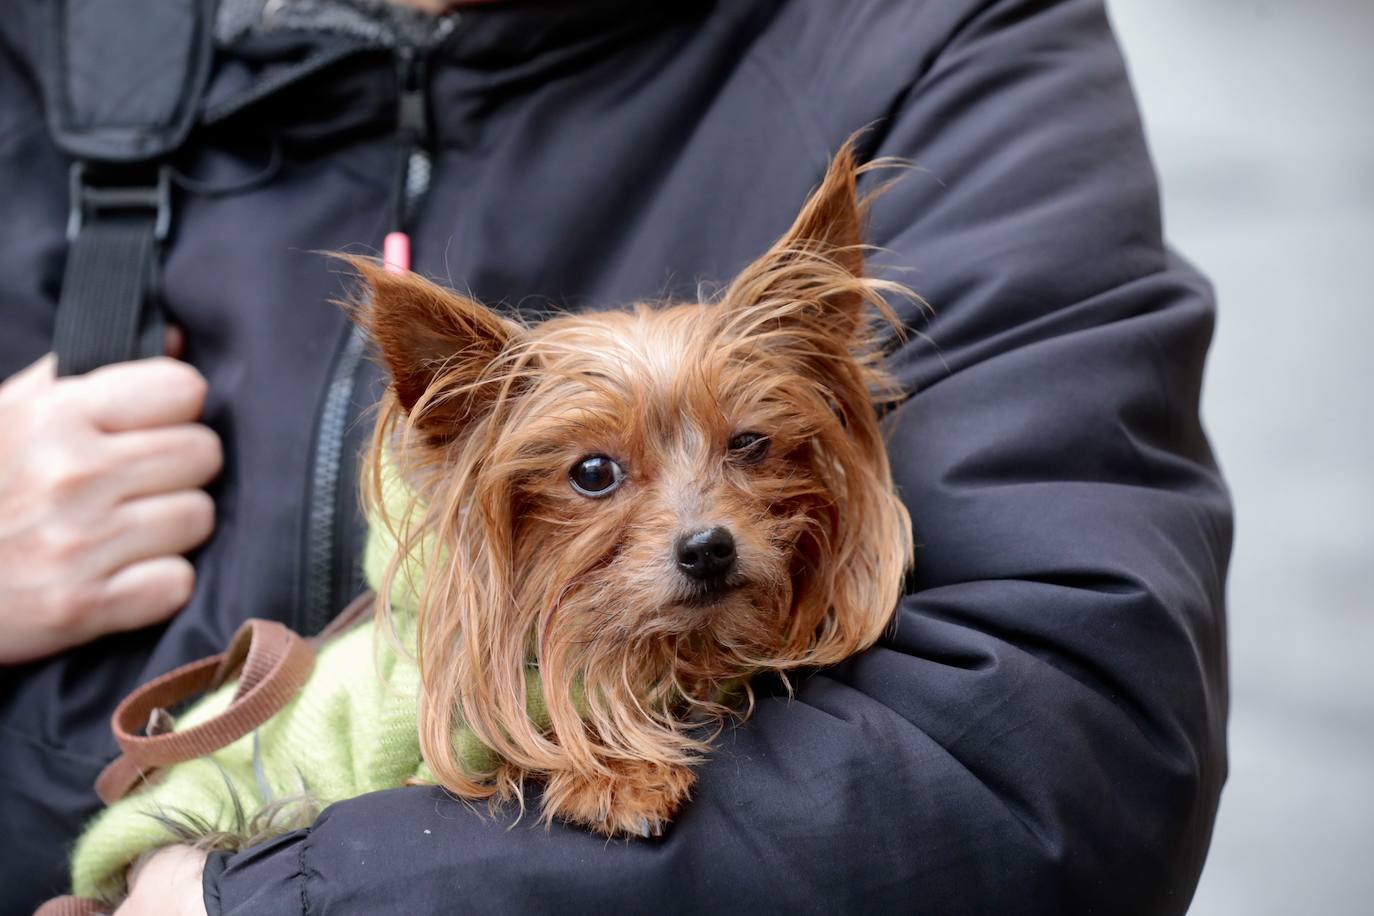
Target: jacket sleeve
(1044,731)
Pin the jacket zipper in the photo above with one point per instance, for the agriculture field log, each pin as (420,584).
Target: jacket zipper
(409,190)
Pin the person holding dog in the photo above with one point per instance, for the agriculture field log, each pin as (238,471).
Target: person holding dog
(1043,729)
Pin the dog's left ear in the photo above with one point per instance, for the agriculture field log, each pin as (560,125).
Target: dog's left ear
(439,347)
(814,273)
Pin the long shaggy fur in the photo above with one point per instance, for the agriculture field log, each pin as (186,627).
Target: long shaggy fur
(484,421)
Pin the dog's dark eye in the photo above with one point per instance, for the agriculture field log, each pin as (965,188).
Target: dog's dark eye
(748,448)
(596,476)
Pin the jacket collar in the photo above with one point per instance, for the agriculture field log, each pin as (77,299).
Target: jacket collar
(353,80)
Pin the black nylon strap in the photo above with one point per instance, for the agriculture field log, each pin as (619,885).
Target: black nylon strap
(123,79)
(122,82)
(107,313)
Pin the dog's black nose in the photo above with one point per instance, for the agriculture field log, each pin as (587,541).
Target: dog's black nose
(706,555)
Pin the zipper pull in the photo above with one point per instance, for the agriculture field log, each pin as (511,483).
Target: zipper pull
(396,252)
(412,130)
(412,116)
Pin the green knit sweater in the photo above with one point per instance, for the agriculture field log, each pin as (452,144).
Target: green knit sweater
(350,730)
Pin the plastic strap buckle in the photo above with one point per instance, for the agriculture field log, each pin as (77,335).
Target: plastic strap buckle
(100,190)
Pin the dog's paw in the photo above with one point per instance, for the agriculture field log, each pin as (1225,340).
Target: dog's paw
(636,800)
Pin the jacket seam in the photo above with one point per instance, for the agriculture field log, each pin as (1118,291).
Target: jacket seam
(301,868)
(805,120)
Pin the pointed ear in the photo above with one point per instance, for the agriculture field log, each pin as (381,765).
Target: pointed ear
(816,269)
(437,345)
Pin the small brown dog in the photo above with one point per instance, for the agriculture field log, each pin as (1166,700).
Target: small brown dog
(649,506)
(598,529)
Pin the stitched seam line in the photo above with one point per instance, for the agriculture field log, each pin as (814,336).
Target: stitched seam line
(755,56)
(300,865)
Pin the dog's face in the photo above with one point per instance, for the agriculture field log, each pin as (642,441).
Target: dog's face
(647,504)
(678,492)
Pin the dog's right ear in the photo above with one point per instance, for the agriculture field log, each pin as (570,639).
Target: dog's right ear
(812,278)
(439,347)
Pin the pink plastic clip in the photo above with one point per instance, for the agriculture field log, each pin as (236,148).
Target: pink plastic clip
(396,252)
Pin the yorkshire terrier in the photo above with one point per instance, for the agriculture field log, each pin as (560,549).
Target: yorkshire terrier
(647,506)
(619,518)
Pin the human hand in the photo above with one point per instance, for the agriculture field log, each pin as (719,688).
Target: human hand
(100,480)
(167,883)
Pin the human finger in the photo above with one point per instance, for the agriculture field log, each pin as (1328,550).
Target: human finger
(163,459)
(165,524)
(144,593)
(173,341)
(36,375)
(141,394)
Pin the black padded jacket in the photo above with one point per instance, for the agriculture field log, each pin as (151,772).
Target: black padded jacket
(1043,732)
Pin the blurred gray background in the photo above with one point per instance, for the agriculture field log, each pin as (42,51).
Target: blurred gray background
(1261,118)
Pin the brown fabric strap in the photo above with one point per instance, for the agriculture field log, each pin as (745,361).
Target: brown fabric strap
(275,663)
(72,906)
(272,664)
